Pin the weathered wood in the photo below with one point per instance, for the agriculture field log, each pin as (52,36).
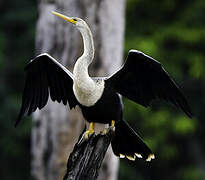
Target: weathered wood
(87,157)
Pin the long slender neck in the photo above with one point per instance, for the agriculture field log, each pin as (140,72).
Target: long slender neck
(81,66)
(88,44)
(87,91)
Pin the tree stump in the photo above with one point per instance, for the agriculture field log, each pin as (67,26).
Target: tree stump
(87,156)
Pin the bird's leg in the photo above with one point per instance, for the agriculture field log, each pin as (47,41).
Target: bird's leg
(112,127)
(90,131)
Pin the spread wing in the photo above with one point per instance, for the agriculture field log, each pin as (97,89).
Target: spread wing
(44,76)
(142,79)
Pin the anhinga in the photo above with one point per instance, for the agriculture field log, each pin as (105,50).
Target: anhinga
(141,79)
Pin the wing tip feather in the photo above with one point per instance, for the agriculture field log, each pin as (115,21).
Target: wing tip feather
(135,51)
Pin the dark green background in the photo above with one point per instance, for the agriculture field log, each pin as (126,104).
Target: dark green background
(172,32)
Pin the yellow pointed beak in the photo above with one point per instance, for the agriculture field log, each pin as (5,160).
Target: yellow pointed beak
(64,17)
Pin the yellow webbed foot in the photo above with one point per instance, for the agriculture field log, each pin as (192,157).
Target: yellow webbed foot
(105,131)
(87,133)
(90,131)
(112,127)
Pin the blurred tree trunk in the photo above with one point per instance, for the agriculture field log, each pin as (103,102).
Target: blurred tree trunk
(56,128)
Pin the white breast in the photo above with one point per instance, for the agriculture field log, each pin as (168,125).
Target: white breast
(88,92)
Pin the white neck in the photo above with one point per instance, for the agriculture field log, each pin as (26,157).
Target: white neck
(88,44)
(80,70)
(85,89)
(88,54)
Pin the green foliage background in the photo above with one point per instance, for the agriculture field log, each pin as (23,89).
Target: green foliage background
(172,32)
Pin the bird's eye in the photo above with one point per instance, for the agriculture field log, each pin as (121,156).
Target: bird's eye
(74,19)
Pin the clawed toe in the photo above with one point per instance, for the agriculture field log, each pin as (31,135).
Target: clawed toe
(87,134)
(112,127)
(105,131)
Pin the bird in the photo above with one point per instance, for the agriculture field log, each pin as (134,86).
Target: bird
(141,79)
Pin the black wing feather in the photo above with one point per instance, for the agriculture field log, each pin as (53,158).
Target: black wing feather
(143,79)
(43,75)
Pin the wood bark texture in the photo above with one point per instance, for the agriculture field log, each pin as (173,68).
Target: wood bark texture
(87,156)
(56,128)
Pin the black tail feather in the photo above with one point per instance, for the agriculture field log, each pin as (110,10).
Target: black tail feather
(127,143)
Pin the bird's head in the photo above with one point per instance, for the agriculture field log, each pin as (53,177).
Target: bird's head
(74,20)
